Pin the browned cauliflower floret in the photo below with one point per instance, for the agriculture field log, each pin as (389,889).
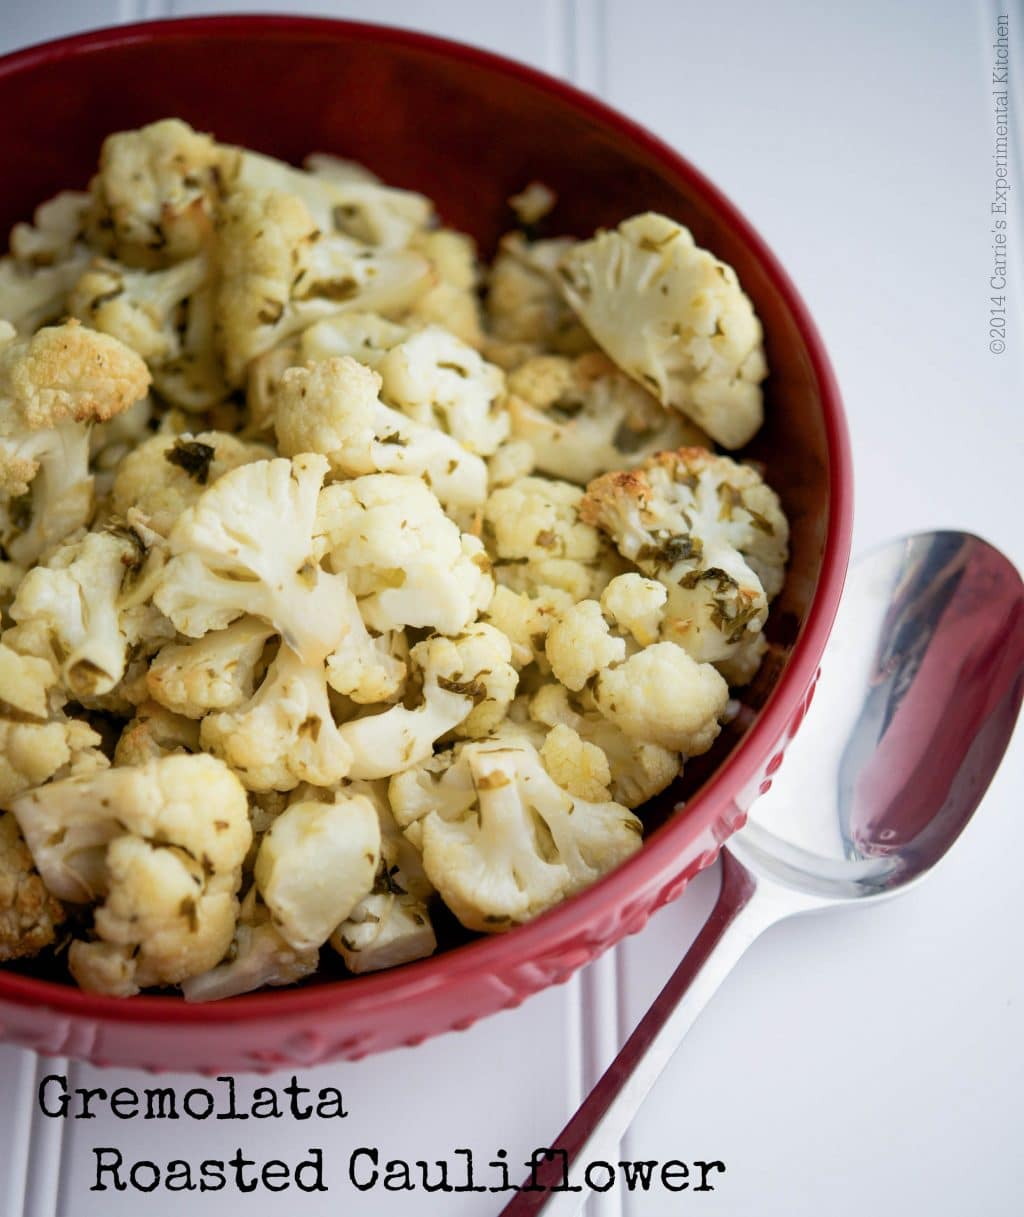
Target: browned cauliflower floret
(29,915)
(66,373)
(50,385)
(711,531)
(156,192)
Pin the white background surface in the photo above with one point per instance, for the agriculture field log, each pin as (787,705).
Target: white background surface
(866,1061)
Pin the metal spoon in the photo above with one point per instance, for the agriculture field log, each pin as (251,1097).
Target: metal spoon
(921,685)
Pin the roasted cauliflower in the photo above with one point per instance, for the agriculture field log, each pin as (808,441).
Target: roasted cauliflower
(674,318)
(346,584)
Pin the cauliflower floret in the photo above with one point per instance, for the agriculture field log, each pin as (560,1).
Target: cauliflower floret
(391,925)
(337,169)
(533,203)
(155,732)
(452,302)
(459,676)
(674,318)
(365,668)
(636,604)
(523,843)
(164,315)
(66,372)
(55,233)
(578,580)
(51,386)
(33,752)
(258,956)
(217,672)
(166,474)
(438,784)
(32,296)
(386,929)
(47,258)
(262,381)
(332,407)
(481,645)
(191,804)
(356,205)
(436,379)
(662,696)
(280,272)
(579,767)
(638,769)
(515,459)
(366,337)
(246,546)
(11,574)
(535,534)
(26,683)
(156,192)
(710,530)
(524,302)
(286,734)
(140,308)
(163,844)
(80,597)
(36,740)
(29,915)
(579,644)
(525,619)
(317,861)
(161,914)
(538,519)
(583,417)
(406,562)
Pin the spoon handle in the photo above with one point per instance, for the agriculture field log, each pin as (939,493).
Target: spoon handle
(596,1129)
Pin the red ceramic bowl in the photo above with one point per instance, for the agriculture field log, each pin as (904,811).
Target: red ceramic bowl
(468,129)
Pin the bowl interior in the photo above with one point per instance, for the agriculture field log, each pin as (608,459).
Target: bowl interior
(468,130)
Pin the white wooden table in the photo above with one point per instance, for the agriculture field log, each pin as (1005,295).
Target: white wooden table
(867,1062)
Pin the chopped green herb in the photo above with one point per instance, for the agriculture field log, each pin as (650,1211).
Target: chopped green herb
(194,457)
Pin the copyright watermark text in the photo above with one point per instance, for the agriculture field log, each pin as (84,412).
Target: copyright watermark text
(1001,185)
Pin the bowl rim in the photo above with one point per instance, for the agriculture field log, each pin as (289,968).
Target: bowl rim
(561,925)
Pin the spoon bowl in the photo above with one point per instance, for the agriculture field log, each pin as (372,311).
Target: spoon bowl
(919,692)
(922,683)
